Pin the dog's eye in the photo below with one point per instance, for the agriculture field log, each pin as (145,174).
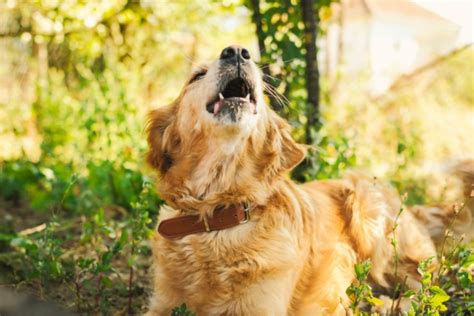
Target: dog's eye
(197,76)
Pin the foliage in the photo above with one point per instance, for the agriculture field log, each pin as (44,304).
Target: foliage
(328,158)
(182,311)
(452,289)
(460,272)
(361,291)
(429,299)
(42,255)
(94,230)
(283,53)
(283,63)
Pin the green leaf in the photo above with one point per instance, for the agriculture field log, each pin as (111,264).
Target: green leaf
(362,270)
(182,311)
(426,278)
(107,282)
(401,148)
(107,258)
(56,268)
(131,261)
(437,290)
(467,261)
(409,293)
(464,279)
(17,242)
(121,242)
(439,296)
(374,301)
(350,290)
(7,237)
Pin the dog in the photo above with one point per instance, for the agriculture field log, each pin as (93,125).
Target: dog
(238,237)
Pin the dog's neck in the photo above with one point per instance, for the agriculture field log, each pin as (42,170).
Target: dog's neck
(219,170)
(224,173)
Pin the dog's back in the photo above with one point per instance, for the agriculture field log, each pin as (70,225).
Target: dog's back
(374,216)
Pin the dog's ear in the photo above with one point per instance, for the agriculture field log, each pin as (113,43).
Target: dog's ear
(292,152)
(162,140)
(289,151)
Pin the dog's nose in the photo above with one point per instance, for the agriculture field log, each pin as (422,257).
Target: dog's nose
(233,53)
(245,53)
(228,53)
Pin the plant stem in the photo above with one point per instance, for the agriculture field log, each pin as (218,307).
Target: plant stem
(78,294)
(97,296)
(130,280)
(445,238)
(396,257)
(404,284)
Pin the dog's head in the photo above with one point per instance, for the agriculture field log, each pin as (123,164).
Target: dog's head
(224,96)
(220,122)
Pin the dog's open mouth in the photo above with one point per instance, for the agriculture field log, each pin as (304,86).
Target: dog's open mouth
(231,101)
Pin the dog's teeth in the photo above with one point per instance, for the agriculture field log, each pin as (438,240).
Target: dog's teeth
(221,96)
(247,97)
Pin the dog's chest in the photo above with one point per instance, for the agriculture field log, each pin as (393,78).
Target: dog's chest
(225,264)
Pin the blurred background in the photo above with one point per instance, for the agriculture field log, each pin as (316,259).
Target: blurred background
(386,86)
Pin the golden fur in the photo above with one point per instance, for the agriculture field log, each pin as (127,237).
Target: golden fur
(296,256)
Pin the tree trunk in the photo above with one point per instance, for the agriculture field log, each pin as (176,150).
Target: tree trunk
(310,19)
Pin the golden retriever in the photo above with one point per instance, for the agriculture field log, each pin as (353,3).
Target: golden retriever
(218,146)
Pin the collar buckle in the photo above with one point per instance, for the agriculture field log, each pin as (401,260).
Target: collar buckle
(246,213)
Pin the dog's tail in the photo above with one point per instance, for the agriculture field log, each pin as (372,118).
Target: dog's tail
(457,217)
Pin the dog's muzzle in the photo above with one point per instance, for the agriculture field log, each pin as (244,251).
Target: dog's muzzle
(236,85)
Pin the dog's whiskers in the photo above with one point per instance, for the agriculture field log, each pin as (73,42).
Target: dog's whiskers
(271,77)
(281,99)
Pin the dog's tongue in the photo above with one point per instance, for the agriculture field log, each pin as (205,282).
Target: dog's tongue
(217,107)
(218,104)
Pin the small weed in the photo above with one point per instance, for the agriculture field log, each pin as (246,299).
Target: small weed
(360,291)
(182,311)
(430,298)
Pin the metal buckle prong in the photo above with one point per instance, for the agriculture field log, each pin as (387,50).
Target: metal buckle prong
(247,213)
(206,223)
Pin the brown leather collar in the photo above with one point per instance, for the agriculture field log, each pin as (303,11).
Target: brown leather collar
(190,224)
